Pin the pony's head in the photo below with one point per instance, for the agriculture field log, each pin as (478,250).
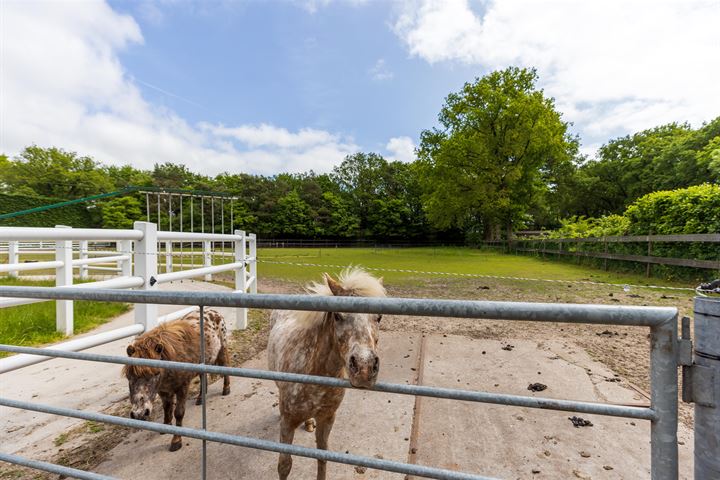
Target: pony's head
(144,381)
(356,334)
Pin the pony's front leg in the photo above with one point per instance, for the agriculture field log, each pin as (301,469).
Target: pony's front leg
(181,397)
(168,403)
(322,433)
(287,434)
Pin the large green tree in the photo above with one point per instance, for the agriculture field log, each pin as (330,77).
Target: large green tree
(500,143)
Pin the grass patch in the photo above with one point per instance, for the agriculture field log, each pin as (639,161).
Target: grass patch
(62,438)
(94,427)
(31,325)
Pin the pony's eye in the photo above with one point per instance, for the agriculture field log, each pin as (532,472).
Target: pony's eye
(338,317)
(379,318)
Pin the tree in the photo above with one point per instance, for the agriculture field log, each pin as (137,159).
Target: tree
(120,212)
(501,141)
(53,172)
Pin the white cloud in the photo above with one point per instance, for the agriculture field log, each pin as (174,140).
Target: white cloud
(62,84)
(380,71)
(612,66)
(401,149)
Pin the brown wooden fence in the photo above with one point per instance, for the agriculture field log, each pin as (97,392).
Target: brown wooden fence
(572,247)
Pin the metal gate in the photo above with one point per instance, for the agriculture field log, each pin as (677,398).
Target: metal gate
(662,322)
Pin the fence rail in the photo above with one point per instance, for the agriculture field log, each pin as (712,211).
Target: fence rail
(541,246)
(664,353)
(134,264)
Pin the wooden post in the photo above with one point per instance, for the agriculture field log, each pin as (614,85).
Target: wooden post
(605,250)
(64,278)
(648,267)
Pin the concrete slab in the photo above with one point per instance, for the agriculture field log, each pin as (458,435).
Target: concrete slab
(512,442)
(368,423)
(71,384)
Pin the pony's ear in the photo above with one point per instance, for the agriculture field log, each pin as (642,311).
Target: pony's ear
(130,350)
(159,348)
(335,287)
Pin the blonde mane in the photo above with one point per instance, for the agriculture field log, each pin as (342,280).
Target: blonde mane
(355,280)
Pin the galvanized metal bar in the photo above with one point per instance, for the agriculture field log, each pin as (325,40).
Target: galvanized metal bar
(52,468)
(403,389)
(541,312)
(707,408)
(249,442)
(664,400)
(203,390)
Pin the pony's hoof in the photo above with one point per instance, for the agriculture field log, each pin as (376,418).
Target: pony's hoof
(226,391)
(310,425)
(175,446)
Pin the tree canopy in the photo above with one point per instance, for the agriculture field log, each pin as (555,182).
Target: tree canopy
(501,144)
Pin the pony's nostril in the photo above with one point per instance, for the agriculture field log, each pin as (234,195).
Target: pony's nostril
(376,365)
(147,412)
(353,363)
(132,415)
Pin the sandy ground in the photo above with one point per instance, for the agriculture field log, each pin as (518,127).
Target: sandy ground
(70,384)
(574,361)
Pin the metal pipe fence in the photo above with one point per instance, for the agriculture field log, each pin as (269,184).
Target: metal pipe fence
(662,322)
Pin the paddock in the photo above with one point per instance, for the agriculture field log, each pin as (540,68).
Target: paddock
(497,441)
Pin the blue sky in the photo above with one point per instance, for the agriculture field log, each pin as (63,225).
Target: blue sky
(267,87)
(338,69)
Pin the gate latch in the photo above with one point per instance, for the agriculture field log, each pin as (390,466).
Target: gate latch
(698,381)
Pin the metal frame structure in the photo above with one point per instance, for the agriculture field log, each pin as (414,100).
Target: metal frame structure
(136,266)
(662,321)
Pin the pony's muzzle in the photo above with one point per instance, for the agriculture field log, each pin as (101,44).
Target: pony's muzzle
(364,369)
(140,416)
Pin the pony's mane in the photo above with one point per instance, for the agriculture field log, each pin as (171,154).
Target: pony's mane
(355,280)
(172,335)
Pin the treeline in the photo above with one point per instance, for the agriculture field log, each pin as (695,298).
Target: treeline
(500,160)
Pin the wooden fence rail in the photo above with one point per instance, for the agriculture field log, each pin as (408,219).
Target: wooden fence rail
(521,245)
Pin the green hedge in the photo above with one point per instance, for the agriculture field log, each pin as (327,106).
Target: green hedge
(76,216)
(683,211)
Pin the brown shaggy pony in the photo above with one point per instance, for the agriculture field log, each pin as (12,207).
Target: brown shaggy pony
(175,341)
(331,344)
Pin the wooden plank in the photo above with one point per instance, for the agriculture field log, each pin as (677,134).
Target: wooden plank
(679,262)
(695,237)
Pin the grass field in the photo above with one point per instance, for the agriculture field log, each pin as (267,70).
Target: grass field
(35,324)
(441,259)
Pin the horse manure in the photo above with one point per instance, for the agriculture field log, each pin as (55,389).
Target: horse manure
(537,387)
(360,469)
(580,422)
(508,347)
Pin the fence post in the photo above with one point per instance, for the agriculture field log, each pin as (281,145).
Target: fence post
(168,257)
(253,262)
(13,256)
(664,400)
(126,248)
(240,278)
(648,267)
(707,365)
(83,254)
(146,252)
(64,278)
(207,258)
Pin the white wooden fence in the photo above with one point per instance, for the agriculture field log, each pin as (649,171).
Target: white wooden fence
(133,264)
